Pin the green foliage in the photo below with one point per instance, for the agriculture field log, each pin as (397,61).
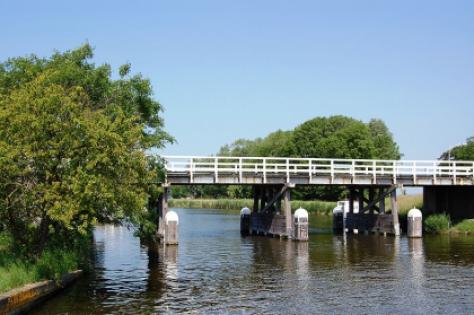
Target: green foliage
(17,270)
(54,263)
(465,226)
(437,223)
(72,144)
(322,137)
(317,206)
(385,147)
(463,152)
(72,69)
(277,144)
(344,137)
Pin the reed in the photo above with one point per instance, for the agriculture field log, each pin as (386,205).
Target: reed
(408,202)
(315,207)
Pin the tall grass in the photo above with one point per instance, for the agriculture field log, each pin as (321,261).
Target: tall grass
(407,202)
(17,270)
(465,226)
(316,207)
(437,223)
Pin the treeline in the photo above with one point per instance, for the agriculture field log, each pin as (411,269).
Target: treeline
(321,137)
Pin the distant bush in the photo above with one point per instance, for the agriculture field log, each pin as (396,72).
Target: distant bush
(437,223)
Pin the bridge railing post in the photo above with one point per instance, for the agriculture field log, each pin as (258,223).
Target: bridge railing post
(264,165)
(472,171)
(287,170)
(310,170)
(374,172)
(216,172)
(332,171)
(454,173)
(414,171)
(191,170)
(394,171)
(353,171)
(240,170)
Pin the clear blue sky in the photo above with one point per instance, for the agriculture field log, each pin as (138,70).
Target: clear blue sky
(231,69)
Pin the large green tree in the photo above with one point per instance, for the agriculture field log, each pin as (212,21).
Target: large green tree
(344,137)
(322,137)
(72,142)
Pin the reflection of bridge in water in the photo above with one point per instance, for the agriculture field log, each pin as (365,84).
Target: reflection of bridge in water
(448,187)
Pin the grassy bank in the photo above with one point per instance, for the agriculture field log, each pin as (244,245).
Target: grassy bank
(441,224)
(315,207)
(17,270)
(464,227)
(405,203)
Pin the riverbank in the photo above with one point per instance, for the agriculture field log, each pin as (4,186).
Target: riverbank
(441,224)
(316,207)
(20,300)
(17,269)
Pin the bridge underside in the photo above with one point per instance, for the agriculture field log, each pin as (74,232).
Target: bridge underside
(456,201)
(253,179)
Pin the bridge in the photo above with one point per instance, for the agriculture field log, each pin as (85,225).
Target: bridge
(313,171)
(448,186)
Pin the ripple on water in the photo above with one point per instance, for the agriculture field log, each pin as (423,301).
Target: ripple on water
(215,271)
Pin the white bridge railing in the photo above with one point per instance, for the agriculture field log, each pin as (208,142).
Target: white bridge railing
(313,167)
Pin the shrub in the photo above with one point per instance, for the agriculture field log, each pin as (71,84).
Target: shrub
(466,226)
(437,223)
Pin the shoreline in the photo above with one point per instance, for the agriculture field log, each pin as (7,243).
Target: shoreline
(22,299)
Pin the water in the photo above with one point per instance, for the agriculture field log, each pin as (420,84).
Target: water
(215,271)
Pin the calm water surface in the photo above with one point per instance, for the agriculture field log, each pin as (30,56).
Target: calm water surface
(215,271)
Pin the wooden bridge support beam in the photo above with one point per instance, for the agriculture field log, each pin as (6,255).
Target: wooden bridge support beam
(272,210)
(256,194)
(287,212)
(167,225)
(371,216)
(396,223)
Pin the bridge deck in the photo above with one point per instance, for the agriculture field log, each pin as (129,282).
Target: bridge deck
(312,171)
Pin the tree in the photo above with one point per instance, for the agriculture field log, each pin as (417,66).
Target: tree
(333,137)
(385,146)
(132,94)
(72,144)
(464,152)
(323,137)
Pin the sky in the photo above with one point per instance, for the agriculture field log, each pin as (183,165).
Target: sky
(226,69)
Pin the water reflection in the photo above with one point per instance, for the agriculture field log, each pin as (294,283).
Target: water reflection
(214,270)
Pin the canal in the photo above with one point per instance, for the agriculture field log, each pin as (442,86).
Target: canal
(215,271)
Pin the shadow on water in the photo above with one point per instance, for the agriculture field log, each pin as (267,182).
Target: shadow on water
(214,270)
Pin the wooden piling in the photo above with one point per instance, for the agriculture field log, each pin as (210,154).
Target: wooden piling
(287,212)
(396,223)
